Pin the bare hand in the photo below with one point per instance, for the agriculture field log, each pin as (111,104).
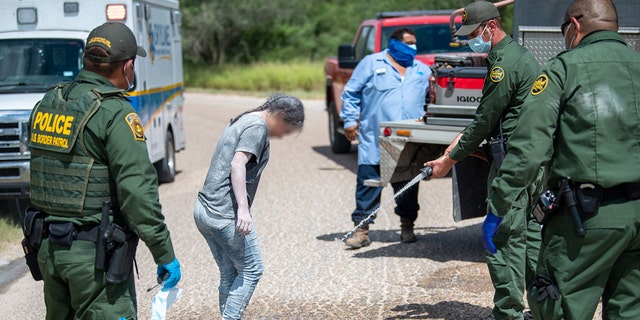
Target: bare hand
(351,133)
(245,222)
(441,166)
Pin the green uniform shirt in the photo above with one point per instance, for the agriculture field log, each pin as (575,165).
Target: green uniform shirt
(511,71)
(582,118)
(113,136)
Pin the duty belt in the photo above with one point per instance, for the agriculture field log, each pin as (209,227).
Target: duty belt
(622,192)
(85,233)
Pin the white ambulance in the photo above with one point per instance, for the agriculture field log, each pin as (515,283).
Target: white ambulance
(41,44)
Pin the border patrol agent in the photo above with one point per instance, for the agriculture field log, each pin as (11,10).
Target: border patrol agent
(88,147)
(511,72)
(583,118)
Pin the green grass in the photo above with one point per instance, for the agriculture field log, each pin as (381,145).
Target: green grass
(302,79)
(10,232)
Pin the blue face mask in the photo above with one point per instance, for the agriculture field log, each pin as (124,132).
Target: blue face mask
(480,46)
(402,52)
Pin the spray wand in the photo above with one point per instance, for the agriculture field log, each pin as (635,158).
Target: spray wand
(425,174)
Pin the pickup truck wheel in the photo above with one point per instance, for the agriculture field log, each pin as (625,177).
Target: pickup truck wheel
(167,167)
(339,143)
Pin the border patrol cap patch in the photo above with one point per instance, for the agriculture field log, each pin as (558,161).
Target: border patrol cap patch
(539,85)
(497,74)
(136,126)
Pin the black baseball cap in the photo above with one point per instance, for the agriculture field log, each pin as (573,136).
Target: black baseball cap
(474,14)
(117,39)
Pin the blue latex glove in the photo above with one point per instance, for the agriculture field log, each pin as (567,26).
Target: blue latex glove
(489,228)
(173,270)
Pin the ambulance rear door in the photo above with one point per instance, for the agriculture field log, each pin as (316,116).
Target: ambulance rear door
(158,97)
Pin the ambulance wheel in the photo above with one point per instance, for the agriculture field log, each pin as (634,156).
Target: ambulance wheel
(167,166)
(339,143)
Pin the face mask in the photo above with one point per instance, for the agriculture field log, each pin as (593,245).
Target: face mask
(130,85)
(414,47)
(402,52)
(480,46)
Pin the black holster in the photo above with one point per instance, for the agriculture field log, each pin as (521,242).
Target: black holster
(497,151)
(497,147)
(588,198)
(121,248)
(33,229)
(62,233)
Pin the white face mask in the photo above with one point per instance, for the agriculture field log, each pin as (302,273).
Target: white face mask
(130,85)
(413,46)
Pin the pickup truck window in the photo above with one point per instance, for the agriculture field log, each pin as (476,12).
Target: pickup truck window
(432,38)
(33,65)
(366,42)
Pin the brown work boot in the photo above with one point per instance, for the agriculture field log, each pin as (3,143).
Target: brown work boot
(406,231)
(360,238)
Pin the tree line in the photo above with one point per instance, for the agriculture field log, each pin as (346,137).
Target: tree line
(217,32)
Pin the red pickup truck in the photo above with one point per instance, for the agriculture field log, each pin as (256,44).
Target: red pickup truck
(433,35)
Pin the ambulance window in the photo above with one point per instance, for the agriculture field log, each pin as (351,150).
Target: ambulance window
(62,60)
(33,65)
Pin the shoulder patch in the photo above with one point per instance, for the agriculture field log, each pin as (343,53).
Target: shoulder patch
(136,126)
(497,74)
(539,85)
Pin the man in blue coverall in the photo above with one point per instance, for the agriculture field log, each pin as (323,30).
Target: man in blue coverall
(386,86)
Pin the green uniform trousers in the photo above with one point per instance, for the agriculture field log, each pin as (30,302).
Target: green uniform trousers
(74,289)
(605,263)
(512,268)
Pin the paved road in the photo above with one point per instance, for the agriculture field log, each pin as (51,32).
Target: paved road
(301,211)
